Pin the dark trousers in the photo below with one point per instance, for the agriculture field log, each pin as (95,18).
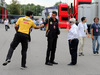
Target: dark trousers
(50,56)
(29,37)
(19,38)
(6,27)
(73,45)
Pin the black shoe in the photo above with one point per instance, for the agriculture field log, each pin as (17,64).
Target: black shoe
(54,63)
(97,52)
(81,54)
(23,68)
(71,64)
(94,52)
(6,62)
(49,64)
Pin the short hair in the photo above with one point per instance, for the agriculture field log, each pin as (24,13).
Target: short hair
(54,12)
(29,13)
(42,18)
(95,18)
(83,18)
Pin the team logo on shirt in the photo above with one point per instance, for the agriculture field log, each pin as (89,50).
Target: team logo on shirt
(26,22)
(51,23)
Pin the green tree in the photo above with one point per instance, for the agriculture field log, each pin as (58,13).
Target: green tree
(57,4)
(1,7)
(36,9)
(17,9)
(13,8)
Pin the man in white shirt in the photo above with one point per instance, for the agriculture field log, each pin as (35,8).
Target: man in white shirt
(73,41)
(6,22)
(41,22)
(83,29)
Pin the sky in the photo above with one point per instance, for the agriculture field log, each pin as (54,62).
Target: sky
(46,3)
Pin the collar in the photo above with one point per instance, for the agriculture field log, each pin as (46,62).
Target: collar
(52,19)
(72,25)
(82,23)
(27,17)
(96,24)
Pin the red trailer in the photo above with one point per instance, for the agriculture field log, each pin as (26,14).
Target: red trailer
(63,16)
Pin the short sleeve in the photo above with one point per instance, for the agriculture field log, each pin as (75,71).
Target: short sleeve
(92,26)
(86,26)
(33,25)
(46,22)
(18,22)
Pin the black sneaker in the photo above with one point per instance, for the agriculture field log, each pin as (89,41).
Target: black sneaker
(6,62)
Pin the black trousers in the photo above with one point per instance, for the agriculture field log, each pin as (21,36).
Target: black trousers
(73,46)
(51,49)
(19,38)
(6,27)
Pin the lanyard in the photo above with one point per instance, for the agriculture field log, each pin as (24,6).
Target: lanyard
(97,26)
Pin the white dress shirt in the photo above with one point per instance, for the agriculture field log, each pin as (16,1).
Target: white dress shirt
(73,32)
(82,27)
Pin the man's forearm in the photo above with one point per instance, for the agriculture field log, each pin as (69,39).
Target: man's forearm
(91,32)
(16,29)
(38,27)
(87,32)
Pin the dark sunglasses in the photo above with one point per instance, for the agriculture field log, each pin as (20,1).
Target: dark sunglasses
(70,22)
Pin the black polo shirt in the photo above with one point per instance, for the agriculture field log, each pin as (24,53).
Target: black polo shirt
(53,27)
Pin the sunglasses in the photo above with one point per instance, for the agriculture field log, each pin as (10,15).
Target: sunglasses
(70,22)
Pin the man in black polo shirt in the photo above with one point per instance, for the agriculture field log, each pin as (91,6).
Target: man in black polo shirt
(52,35)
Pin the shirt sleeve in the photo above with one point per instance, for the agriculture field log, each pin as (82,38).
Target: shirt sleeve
(18,22)
(33,25)
(91,26)
(46,22)
(86,26)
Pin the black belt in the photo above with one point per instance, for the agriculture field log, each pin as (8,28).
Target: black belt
(73,39)
(22,33)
